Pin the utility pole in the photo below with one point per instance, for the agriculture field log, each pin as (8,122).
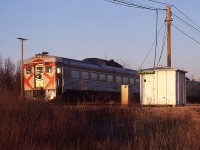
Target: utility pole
(22,65)
(168,23)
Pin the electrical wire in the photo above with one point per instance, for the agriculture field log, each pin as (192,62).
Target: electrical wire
(158,2)
(125,3)
(151,47)
(186,34)
(140,3)
(186,16)
(189,25)
(198,30)
(111,1)
(156,37)
(163,45)
(133,4)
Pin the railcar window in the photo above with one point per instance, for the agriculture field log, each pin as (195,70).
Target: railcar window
(75,74)
(67,73)
(85,75)
(137,81)
(131,80)
(48,63)
(102,77)
(125,80)
(118,79)
(59,70)
(39,69)
(48,69)
(110,78)
(93,76)
(28,70)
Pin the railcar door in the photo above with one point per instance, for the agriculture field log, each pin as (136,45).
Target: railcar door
(39,75)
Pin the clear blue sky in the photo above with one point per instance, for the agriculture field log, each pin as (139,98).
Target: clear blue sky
(95,28)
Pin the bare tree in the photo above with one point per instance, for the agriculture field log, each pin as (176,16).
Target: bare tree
(9,75)
(125,63)
(1,72)
(17,78)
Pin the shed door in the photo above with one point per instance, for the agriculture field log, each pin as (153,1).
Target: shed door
(149,89)
(162,87)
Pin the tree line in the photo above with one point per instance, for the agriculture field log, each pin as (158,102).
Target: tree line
(10,76)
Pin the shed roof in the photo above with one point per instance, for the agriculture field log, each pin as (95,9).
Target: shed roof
(161,69)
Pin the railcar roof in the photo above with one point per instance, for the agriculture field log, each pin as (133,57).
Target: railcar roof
(99,61)
(95,62)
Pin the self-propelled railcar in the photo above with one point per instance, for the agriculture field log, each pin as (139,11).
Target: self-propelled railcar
(49,77)
(193,91)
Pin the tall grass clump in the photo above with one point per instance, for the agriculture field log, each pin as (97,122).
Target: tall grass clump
(38,125)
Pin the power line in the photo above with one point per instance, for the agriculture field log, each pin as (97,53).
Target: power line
(186,16)
(129,4)
(140,3)
(111,1)
(150,48)
(156,37)
(133,4)
(158,2)
(163,45)
(186,34)
(187,24)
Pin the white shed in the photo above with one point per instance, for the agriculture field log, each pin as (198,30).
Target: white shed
(162,86)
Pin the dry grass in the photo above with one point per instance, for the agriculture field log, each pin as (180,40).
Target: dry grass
(37,125)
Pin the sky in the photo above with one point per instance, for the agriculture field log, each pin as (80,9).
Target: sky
(81,29)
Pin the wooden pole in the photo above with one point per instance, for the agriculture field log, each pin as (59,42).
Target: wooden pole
(168,23)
